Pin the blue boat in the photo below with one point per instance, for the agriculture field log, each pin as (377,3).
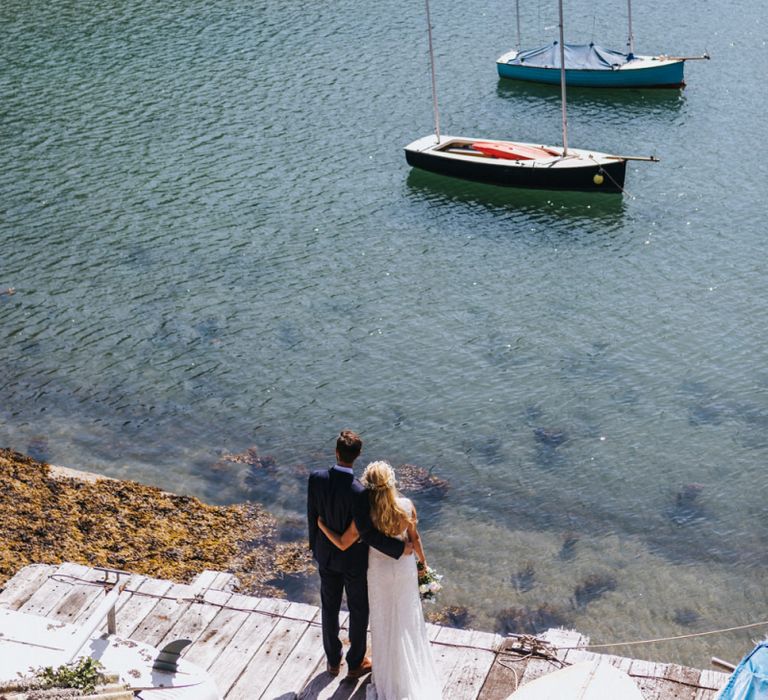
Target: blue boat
(749,680)
(590,65)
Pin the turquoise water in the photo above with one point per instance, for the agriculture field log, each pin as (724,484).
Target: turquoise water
(215,243)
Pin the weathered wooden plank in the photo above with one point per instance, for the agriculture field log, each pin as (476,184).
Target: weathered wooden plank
(85,595)
(710,683)
(220,630)
(462,667)
(304,659)
(225,581)
(538,667)
(139,603)
(204,580)
(242,649)
(562,638)
(575,656)
(433,631)
(50,593)
(504,677)
(302,611)
(18,589)
(679,682)
(79,598)
(269,659)
(131,581)
(163,616)
(321,685)
(649,677)
(196,618)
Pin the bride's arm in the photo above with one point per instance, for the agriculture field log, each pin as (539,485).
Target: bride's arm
(344,541)
(415,538)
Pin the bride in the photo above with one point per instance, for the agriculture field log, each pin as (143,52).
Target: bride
(404,668)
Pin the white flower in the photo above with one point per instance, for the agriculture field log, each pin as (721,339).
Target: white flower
(423,588)
(434,587)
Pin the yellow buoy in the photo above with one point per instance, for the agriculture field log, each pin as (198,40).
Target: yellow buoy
(598,179)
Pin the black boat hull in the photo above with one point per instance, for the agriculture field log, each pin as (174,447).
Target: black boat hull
(605,177)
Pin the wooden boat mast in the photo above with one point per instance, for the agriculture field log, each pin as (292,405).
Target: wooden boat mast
(631,38)
(562,80)
(432,68)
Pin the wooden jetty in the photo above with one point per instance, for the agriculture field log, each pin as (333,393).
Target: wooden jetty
(272,649)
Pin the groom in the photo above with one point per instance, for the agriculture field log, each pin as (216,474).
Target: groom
(338,497)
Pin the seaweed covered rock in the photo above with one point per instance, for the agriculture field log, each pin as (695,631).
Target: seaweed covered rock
(418,481)
(524,579)
(688,507)
(593,587)
(121,524)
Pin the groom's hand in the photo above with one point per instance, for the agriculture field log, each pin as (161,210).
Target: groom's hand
(408,549)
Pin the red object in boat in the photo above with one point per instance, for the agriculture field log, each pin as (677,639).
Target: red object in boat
(512,151)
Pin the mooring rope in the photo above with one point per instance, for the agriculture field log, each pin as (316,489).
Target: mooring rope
(602,171)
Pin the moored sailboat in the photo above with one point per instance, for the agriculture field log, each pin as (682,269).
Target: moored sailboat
(513,163)
(591,65)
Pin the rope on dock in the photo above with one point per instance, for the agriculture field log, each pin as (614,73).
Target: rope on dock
(530,644)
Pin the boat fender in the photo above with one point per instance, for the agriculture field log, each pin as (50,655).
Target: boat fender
(598,179)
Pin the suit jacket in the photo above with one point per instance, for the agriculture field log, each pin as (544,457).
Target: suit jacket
(338,498)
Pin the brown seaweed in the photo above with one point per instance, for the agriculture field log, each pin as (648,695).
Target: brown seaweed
(452,616)
(592,588)
(524,579)
(125,525)
(568,549)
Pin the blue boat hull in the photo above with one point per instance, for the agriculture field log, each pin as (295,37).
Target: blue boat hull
(666,75)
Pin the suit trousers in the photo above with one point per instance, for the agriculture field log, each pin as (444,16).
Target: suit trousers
(333,582)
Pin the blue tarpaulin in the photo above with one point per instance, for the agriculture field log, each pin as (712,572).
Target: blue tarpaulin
(749,681)
(577,57)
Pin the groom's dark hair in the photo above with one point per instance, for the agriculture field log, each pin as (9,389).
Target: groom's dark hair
(348,445)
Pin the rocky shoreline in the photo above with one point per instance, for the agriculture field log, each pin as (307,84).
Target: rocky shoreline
(51,514)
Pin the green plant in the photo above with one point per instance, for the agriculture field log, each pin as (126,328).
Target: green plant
(84,674)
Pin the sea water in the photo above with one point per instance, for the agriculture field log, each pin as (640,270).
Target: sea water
(215,244)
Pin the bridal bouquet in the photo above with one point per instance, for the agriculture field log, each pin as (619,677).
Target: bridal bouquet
(429,583)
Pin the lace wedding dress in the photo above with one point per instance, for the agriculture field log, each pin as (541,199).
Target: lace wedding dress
(403,668)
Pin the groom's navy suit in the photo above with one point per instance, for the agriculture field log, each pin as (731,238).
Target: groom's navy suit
(338,498)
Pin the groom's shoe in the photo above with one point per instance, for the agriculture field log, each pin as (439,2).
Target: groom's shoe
(333,670)
(361,670)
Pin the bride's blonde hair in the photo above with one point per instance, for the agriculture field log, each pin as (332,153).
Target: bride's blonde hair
(387,514)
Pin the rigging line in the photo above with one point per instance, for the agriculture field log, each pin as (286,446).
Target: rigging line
(608,175)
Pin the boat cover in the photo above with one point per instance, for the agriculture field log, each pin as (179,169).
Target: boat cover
(749,680)
(577,57)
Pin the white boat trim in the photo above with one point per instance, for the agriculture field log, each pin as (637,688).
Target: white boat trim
(575,158)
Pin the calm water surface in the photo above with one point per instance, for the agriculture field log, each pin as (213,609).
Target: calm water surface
(216,244)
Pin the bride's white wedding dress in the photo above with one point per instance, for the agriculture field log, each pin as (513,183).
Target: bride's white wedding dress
(403,667)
